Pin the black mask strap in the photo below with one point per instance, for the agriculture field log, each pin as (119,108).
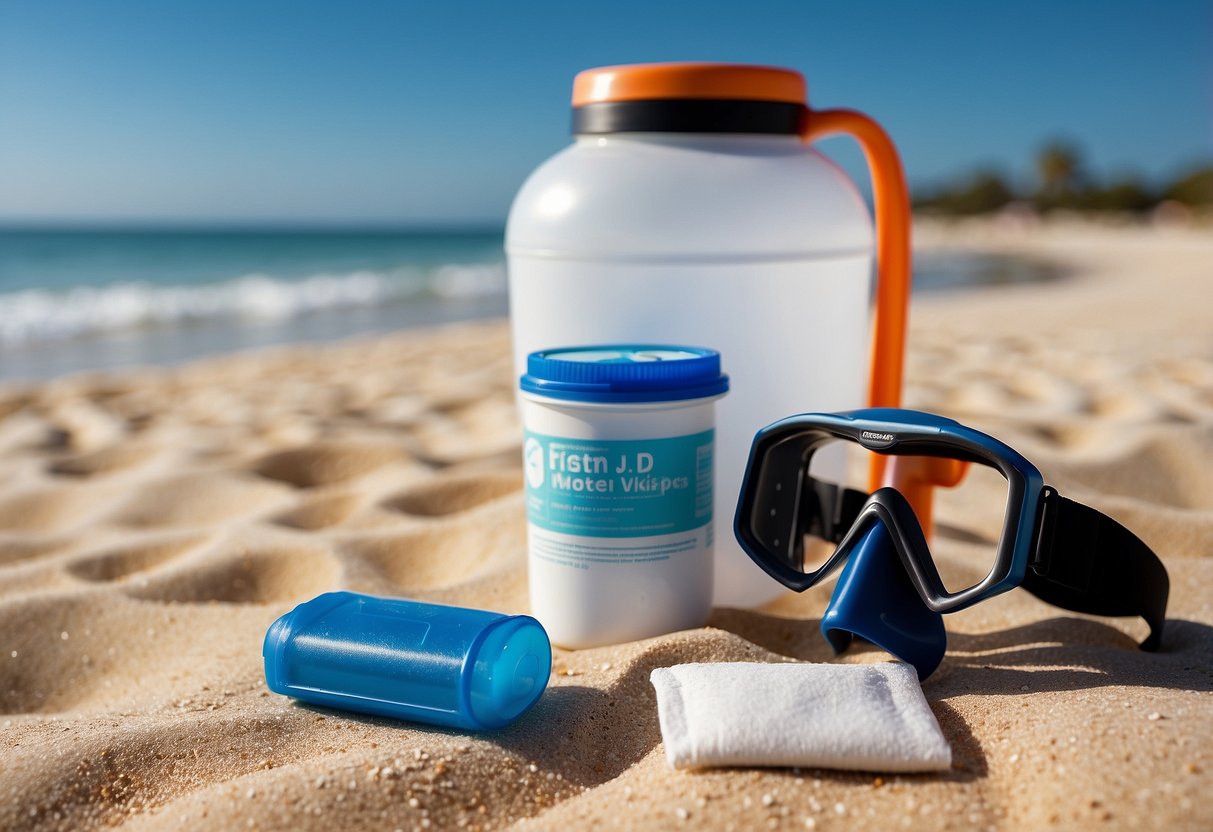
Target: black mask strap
(830,509)
(1087,562)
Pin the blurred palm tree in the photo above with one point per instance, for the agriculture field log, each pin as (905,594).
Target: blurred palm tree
(1065,184)
(1059,165)
(980,193)
(1196,188)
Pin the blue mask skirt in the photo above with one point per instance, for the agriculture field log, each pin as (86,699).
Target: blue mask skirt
(875,600)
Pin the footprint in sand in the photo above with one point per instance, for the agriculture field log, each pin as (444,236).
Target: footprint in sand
(99,651)
(450,495)
(444,554)
(115,774)
(199,499)
(1167,467)
(326,463)
(1063,436)
(51,509)
(20,547)
(487,428)
(257,577)
(106,461)
(121,562)
(320,512)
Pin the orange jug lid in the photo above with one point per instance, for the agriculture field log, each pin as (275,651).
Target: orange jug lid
(688,98)
(690,79)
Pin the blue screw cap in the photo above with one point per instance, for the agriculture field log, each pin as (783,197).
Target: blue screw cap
(625,373)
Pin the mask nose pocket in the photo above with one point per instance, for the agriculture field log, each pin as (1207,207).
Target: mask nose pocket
(875,600)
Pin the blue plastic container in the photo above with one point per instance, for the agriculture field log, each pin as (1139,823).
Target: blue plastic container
(447,666)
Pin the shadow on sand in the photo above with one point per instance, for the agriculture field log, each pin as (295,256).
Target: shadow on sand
(1056,654)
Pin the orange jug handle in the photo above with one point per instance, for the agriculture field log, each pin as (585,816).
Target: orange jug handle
(892,204)
(892,208)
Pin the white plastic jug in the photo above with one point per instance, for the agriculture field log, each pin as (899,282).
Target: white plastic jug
(691,210)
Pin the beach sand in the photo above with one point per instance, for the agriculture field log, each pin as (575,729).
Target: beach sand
(153,523)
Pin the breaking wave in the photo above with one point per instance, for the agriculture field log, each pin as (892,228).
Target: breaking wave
(36,315)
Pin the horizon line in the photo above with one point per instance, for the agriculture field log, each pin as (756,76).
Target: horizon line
(237,225)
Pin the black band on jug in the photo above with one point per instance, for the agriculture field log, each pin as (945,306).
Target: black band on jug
(689,115)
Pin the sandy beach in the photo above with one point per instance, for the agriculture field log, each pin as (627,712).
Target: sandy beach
(154,522)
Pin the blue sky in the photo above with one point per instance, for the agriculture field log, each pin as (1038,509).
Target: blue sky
(408,112)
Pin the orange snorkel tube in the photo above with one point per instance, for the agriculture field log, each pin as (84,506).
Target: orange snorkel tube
(912,476)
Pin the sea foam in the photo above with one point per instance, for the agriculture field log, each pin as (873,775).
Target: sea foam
(35,315)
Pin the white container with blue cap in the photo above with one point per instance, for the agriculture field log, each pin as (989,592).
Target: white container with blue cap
(618,456)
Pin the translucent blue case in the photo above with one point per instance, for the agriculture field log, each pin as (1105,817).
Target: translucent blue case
(447,666)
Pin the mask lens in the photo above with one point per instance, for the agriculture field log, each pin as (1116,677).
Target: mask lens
(968,524)
(835,466)
(775,513)
(795,500)
(796,516)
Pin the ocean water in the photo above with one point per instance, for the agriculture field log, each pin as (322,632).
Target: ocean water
(83,300)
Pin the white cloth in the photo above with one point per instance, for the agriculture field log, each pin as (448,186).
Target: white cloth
(870,717)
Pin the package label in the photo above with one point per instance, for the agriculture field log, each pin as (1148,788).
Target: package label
(619,488)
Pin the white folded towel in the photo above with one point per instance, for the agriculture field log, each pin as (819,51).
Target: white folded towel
(870,717)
